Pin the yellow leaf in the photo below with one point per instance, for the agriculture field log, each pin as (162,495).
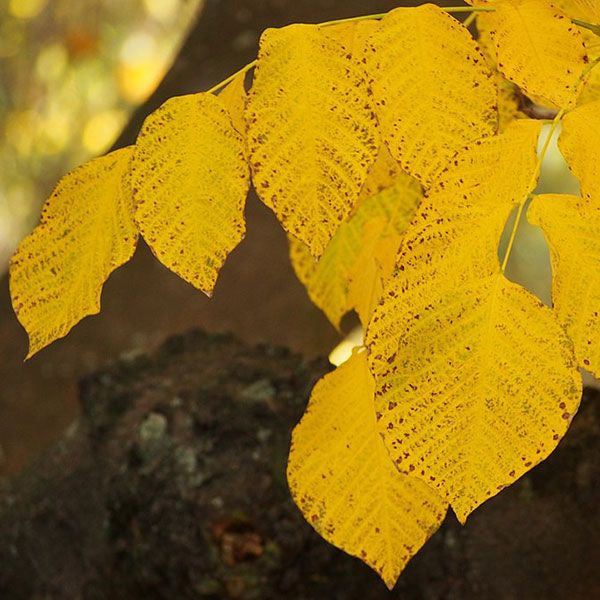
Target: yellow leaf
(342,479)
(579,143)
(86,232)
(233,96)
(476,380)
(383,174)
(433,89)
(312,134)
(366,277)
(591,88)
(572,227)
(538,49)
(509,95)
(328,279)
(589,11)
(353,36)
(585,10)
(190,182)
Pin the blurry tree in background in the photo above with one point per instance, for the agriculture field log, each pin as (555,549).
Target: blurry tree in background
(70,75)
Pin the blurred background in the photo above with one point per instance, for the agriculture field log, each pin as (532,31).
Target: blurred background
(71,74)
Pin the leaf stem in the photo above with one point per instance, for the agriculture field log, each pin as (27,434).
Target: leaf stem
(227,80)
(593,28)
(534,176)
(467,22)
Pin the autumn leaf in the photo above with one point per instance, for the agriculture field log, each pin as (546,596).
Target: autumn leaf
(572,228)
(312,134)
(538,49)
(434,92)
(86,232)
(336,283)
(579,143)
(344,482)
(476,380)
(585,10)
(384,173)
(509,95)
(234,97)
(190,181)
(373,265)
(353,36)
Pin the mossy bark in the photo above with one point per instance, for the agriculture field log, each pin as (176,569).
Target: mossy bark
(172,485)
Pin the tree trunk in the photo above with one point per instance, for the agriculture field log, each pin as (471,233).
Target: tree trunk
(172,485)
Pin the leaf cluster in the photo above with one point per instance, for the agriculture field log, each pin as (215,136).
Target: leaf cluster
(392,150)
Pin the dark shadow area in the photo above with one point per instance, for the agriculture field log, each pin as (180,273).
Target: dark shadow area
(172,485)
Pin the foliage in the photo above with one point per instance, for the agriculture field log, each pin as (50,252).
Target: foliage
(393,149)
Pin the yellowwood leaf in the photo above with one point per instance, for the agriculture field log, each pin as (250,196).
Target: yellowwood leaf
(433,89)
(233,96)
(86,232)
(591,88)
(589,11)
(585,10)
(373,265)
(312,133)
(538,49)
(328,279)
(190,182)
(572,227)
(476,381)
(509,95)
(579,143)
(383,174)
(353,36)
(344,482)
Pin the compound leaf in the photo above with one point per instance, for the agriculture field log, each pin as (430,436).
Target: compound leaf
(312,133)
(86,232)
(433,90)
(476,380)
(329,279)
(539,49)
(572,228)
(342,479)
(190,182)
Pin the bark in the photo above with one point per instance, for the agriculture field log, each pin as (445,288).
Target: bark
(172,485)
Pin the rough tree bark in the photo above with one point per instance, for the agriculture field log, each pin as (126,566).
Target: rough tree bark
(172,485)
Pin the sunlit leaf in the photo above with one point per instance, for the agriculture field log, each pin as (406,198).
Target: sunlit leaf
(312,134)
(190,181)
(476,380)
(538,49)
(86,232)
(344,482)
(433,89)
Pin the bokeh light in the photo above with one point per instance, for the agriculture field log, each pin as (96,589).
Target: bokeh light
(72,73)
